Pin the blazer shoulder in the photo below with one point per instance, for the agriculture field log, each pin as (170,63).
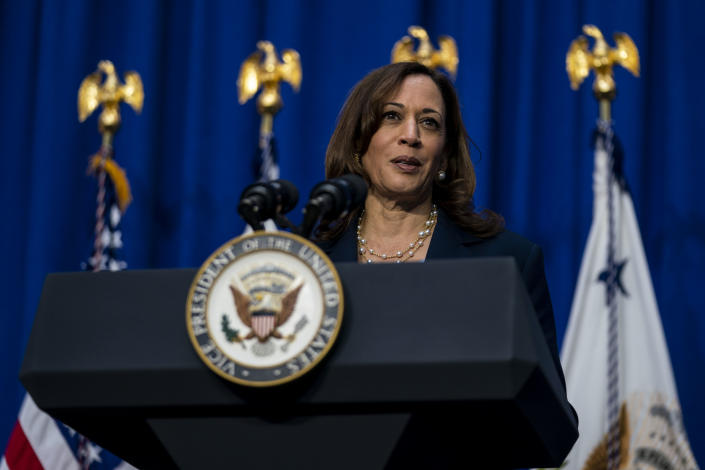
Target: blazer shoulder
(508,243)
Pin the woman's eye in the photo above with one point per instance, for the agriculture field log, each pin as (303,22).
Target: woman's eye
(391,115)
(430,123)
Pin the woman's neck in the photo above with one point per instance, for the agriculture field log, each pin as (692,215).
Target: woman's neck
(388,227)
(389,218)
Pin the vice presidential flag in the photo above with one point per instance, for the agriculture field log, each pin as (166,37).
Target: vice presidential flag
(615,358)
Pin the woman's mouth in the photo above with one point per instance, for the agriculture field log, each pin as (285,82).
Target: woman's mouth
(407,164)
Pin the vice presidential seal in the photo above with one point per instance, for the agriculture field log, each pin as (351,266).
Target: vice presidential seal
(264,308)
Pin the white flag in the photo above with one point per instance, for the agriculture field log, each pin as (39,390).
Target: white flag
(645,398)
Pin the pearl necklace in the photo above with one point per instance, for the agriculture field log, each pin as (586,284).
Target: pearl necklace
(401,255)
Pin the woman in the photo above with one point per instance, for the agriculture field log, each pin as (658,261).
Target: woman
(401,130)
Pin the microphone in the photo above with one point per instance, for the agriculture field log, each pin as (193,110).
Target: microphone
(267,200)
(333,199)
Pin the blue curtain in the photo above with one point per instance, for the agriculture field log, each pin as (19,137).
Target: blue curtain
(188,155)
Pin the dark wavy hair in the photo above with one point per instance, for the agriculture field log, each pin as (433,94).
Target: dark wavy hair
(360,118)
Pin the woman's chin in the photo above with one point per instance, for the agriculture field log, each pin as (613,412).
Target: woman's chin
(414,193)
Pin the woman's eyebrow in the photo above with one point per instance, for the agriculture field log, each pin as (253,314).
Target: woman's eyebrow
(425,110)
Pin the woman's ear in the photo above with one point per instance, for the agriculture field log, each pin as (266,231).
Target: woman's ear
(444,163)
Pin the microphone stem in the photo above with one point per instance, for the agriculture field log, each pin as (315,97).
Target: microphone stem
(283,221)
(311,213)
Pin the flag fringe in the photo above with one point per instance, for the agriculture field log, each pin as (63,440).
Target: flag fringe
(117,176)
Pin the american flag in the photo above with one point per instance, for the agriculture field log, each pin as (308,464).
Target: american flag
(38,441)
(112,198)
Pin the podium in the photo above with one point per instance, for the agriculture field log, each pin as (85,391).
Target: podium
(437,365)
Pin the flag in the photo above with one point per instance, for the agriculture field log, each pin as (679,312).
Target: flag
(112,199)
(265,168)
(614,354)
(38,441)
(265,162)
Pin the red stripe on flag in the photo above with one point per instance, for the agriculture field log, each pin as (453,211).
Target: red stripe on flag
(263,325)
(19,454)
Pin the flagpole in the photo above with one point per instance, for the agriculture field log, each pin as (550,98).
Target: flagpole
(605,110)
(38,440)
(103,88)
(266,126)
(579,62)
(629,411)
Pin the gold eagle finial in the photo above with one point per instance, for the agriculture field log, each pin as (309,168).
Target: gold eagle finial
(445,57)
(263,70)
(110,94)
(579,61)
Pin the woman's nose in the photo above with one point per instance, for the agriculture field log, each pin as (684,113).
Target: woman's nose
(409,133)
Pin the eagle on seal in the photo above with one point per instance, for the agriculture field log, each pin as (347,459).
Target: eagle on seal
(264,311)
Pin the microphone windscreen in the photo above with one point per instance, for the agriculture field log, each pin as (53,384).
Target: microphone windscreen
(287,194)
(357,188)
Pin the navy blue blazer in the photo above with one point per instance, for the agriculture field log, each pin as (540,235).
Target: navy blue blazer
(450,241)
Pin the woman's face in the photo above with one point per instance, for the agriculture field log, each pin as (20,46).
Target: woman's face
(404,154)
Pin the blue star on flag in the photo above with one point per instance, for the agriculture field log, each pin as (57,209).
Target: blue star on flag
(605,275)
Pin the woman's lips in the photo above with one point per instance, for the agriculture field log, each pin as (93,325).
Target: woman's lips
(407,164)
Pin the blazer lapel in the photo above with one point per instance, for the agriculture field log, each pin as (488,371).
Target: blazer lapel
(449,240)
(345,247)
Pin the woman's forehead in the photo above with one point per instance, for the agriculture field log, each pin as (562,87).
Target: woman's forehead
(419,90)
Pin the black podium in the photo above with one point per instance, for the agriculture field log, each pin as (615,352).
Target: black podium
(437,365)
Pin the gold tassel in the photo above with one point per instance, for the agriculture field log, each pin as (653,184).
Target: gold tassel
(117,176)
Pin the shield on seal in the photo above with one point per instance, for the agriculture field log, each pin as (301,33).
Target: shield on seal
(268,304)
(263,323)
